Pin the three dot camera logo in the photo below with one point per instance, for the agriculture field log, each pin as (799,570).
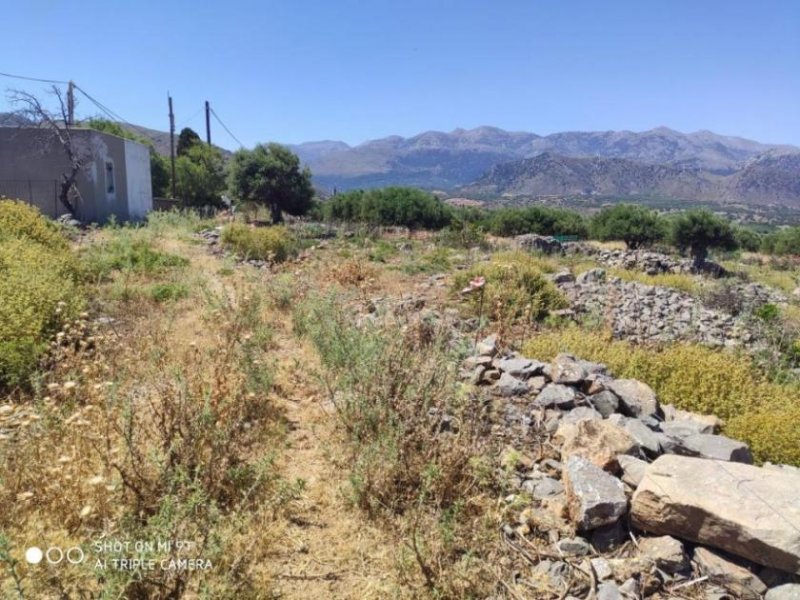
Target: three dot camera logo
(55,555)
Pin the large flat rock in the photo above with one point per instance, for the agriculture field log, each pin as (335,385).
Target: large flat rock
(748,511)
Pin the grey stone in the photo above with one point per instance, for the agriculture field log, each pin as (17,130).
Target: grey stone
(633,469)
(637,399)
(602,568)
(681,429)
(787,591)
(487,346)
(519,367)
(630,589)
(566,369)
(736,507)
(474,361)
(573,546)
(641,433)
(562,277)
(717,447)
(581,413)
(608,591)
(666,552)
(555,395)
(733,577)
(544,487)
(595,498)
(591,276)
(508,385)
(605,402)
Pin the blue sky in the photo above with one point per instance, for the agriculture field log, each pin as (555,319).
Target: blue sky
(352,70)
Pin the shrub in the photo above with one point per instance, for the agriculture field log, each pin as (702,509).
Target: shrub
(543,220)
(127,251)
(261,243)
(21,220)
(414,439)
(167,292)
(783,241)
(678,281)
(515,287)
(694,378)
(392,206)
(630,223)
(40,290)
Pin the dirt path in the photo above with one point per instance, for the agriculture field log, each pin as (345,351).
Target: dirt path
(329,550)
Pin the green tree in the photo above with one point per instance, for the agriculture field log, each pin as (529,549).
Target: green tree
(630,223)
(783,241)
(399,206)
(187,139)
(542,220)
(698,230)
(200,176)
(270,175)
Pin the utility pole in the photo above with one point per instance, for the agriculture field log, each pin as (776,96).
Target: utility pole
(70,104)
(172,143)
(208,123)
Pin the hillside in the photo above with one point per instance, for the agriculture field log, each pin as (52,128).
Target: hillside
(446,160)
(772,178)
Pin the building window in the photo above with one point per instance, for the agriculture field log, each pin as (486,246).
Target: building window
(110,178)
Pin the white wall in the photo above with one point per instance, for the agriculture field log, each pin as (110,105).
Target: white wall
(137,171)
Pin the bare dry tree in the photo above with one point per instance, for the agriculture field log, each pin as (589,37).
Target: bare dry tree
(77,151)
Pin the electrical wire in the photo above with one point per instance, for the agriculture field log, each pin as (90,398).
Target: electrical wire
(190,118)
(33,79)
(216,116)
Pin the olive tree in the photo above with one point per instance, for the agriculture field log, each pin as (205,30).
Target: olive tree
(630,223)
(270,175)
(698,230)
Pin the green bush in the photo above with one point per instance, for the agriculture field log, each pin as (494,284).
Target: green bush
(40,289)
(515,287)
(128,252)
(21,220)
(261,243)
(783,241)
(699,230)
(166,292)
(543,220)
(630,223)
(392,206)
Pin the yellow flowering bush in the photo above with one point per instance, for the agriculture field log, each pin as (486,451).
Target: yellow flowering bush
(40,289)
(261,243)
(692,377)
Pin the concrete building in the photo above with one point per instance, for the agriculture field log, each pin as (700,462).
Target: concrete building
(115,180)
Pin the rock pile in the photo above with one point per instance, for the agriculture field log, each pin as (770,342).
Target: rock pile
(601,466)
(539,243)
(646,313)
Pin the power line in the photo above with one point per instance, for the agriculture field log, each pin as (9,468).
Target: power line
(216,116)
(190,118)
(33,79)
(114,116)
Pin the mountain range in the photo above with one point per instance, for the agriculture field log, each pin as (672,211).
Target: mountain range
(490,161)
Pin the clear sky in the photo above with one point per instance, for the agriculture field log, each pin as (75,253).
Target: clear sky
(354,70)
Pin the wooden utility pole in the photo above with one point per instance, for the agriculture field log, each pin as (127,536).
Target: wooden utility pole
(70,104)
(172,143)
(208,123)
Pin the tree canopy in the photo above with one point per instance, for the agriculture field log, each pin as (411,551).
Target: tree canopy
(543,220)
(200,176)
(187,139)
(630,223)
(698,230)
(270,175)
(398,206)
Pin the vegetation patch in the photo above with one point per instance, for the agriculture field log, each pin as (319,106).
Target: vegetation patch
(415,443)
(40,289)
(516,288)
(274,243)
(698,379)
(678,281)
